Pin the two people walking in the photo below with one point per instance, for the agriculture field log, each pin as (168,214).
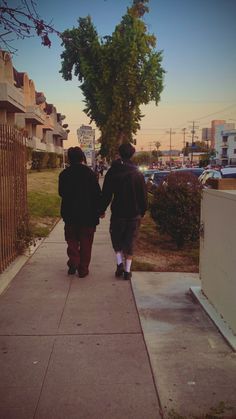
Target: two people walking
(83,203)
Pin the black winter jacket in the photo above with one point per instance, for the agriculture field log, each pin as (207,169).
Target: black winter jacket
(81,196)
(124,185)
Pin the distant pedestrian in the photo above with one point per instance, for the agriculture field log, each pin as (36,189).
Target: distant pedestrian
(124,187)
(80,209)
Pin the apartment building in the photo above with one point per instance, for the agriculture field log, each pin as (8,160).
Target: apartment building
(22,107)
(226,145)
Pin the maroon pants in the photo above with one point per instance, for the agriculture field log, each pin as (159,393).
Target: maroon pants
(79,246)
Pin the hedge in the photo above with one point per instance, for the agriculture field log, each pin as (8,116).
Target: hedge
(44,160)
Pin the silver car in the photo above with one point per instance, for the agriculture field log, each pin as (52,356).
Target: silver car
(225,172)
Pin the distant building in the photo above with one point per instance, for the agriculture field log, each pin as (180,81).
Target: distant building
(86,139)
(209,134)
(226,144)
(178,158)
(206,135)
(214,125)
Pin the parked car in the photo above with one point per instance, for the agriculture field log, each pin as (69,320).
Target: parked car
(197,171)
(225,172)
(228,172)
(148,173)
(156,178)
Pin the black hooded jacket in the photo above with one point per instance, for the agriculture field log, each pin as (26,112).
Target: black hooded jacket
(81,195)
(125,187)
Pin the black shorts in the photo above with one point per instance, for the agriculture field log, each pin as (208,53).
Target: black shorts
(123,233)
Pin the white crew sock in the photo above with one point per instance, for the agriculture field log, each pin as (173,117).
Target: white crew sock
(119,258)
(128,265)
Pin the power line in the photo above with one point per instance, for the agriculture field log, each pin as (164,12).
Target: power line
(221,110)
(179,126)
(201,117)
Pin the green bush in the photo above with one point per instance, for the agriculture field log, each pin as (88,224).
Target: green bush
(39,160)
(44,160)
(176,207)
(24,236)
(52,161)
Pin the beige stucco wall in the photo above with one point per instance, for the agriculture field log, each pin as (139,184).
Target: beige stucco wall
(6,68)
(218,252)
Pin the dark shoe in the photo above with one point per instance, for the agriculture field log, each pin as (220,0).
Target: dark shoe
(71,270)
(119,270)
(82,274)
(127,275)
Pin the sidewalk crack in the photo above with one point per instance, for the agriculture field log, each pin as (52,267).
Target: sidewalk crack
(51,353)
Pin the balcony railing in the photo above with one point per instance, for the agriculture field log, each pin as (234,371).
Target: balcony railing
(58,150)
(37,144)
(50,148)
(59,132)
(11,98)
(35,115)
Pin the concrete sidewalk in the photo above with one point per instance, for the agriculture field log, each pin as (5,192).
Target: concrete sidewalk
(74,348)
(70,347)
(193,366)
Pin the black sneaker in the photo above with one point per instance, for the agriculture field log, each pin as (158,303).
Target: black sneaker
(127,275)
(119,270)
(71,270)
(83,274)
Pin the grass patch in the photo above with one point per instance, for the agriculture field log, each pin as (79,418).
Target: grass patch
(43,201)
(157,252)
(139,265)
(39,231)
(44,181)
(43,204)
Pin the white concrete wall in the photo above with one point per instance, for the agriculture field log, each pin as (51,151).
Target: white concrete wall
(218,252)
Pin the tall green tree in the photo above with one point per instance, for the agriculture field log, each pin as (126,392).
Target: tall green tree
(117,73)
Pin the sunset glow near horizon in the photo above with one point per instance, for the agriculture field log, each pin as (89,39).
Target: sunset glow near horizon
(199,56)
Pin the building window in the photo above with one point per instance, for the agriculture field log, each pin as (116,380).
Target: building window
(235,138)
(235,151)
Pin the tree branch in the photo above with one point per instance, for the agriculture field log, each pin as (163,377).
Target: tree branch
(22,21)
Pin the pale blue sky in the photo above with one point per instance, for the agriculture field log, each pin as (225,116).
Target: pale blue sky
(198,40)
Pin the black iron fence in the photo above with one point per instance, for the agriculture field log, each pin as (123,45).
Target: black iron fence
(13,194)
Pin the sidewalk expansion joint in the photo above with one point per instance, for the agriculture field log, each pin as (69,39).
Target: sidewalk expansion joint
(148,355)
(71,334)
(44,378)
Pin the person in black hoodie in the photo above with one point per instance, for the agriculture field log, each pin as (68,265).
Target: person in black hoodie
(80,210)
(124,187)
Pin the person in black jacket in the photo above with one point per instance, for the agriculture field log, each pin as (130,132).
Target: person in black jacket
(80,210)
(124,187)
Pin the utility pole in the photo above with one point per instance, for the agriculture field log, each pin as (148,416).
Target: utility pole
(194,127)
(150,144)
(184,131)
(170,132)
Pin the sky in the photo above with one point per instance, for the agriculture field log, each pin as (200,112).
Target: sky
(198,40)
